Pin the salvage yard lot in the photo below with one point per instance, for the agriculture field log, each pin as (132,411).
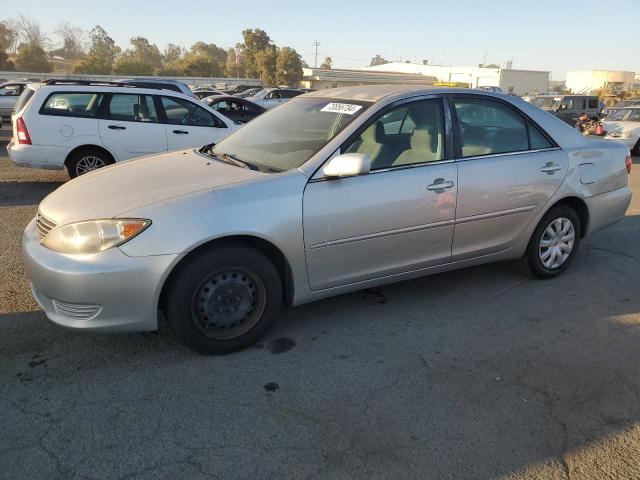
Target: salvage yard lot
(478,373)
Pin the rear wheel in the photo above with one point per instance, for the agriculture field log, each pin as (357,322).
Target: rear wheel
(87,160)
(554,242)
(224,299)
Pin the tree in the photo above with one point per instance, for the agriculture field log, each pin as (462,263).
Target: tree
(289,67)
(265,61)
(72,42)
(6,65)
(256,43)
(30,32)
(172,61)
(102,53)
(8,37)
(378,60)
(204,60)
(143,59)
(327,63)
(234,66)
(32,58)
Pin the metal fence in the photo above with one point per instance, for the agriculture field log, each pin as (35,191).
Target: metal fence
(191,81)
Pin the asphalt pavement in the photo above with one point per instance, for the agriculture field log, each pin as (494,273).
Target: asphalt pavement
(480,373)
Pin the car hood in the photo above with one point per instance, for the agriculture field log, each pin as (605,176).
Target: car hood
(120,188)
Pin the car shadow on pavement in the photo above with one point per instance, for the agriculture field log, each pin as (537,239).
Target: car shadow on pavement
(480,373)
(25,193)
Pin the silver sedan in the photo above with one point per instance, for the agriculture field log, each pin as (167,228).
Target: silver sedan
(334,191)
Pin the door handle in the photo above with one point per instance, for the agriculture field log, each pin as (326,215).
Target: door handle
(117,127)
(440,184)
(181,132)
(550,167)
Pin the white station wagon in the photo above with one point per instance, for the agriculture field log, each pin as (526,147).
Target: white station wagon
(83,126)
(334,191)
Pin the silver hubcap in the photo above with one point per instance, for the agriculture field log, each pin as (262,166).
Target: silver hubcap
(556,243)
(88,163)
(228,303)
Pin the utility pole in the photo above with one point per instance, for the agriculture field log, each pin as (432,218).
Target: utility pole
(316,44)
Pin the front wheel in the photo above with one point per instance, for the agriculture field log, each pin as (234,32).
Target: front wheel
(554,242)
(86,160)
(223,299)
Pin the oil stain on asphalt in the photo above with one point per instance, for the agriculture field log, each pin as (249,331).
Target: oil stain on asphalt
(281,345)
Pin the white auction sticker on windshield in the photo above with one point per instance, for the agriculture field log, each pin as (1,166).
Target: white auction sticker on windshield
(346,108)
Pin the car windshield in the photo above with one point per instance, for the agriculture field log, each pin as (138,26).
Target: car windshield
(543,102)
(626,115)
(291,134)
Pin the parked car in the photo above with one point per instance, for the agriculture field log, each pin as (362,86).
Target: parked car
(158,83)
(624,125)
(272,97)
(240,110)
(490,89)
(235,89)
(83,127)
(314,199)
(204,93)
(624,103)
(569,108)
(9,93)
(249,92)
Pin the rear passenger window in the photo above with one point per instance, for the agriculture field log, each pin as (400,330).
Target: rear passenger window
(72,104)
(132,108)
(537,140)
(593,103)
(488,127)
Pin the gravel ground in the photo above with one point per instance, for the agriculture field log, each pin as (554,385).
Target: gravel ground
(479,373)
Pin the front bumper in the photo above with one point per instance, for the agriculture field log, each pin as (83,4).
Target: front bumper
(34,156)
(106,292)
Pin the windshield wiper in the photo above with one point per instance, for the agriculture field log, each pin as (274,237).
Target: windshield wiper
(207,148)
(237,161)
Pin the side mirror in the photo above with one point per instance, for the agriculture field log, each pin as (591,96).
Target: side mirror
(347,165)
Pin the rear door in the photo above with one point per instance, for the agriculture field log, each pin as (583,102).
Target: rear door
(189,125)
(131,126)
(508,170)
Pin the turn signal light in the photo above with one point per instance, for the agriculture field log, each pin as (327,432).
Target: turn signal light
(23,133)
(628,163)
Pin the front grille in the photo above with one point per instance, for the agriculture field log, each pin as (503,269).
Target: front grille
(44,225)
(76,311)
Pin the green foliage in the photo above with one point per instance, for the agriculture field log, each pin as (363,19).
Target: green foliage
(288,67)
(101,56)
(6,65)
(32,58)
(143,59)
(204,60)
(327,63)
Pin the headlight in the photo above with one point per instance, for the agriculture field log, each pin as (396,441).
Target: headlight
(93,236)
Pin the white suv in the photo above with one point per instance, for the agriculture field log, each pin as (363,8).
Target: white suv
(85,126)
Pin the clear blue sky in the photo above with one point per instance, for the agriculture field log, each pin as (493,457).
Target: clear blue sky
(550,35)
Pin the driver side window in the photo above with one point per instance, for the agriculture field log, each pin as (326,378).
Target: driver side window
(410,134)
(183,112)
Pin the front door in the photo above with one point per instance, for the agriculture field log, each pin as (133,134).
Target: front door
(396,219)
(508,170)
(131,127)
(189,125)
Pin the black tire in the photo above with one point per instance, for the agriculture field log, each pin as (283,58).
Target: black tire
(196,291)
(79,162)
(532,257)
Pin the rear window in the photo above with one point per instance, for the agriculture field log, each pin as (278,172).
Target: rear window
(24,98)
(72,104)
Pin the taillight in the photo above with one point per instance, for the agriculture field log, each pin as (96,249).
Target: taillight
(628,162)
(23,133)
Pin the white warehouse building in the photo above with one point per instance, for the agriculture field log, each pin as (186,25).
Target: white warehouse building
(586,81)
(517,82)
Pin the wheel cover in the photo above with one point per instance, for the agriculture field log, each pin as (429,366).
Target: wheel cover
(228,303)
(556,243)
(89,163)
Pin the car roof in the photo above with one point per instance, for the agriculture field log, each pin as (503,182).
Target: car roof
(71,87)
(375,93)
